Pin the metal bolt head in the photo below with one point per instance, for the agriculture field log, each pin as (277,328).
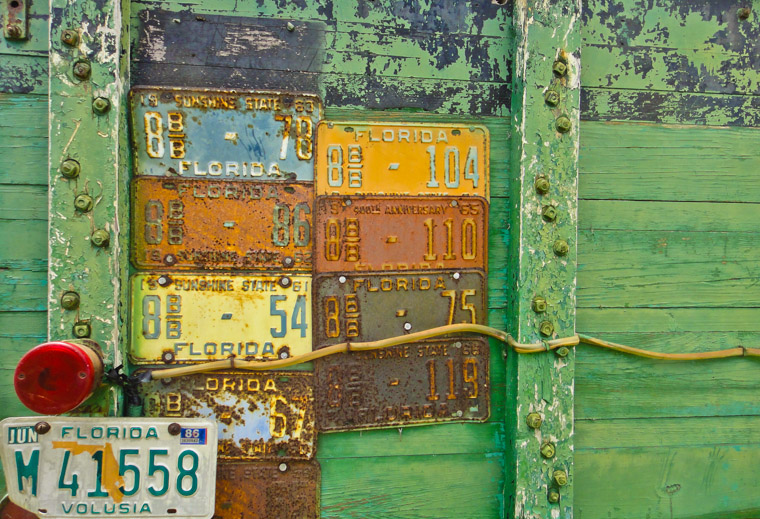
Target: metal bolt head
(561,247)
(534,420)
(70,37)
(100,238)
(559,68)
(70,300)
(13,32)
(70,168)
(82,329)
(552,97)
(83,203)
(549,213)
(164,281)
(287,261)
(174,428)
(563,351)
(743,13)
(101,105)
(542,185)
(547,450)
(546,328)
(538,304)
(170,259)
(563,124)
(559,476)
(41,427)
(553,495)
(167,357)
(290,27)
(82,70)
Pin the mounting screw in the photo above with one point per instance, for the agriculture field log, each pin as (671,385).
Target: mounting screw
(538,304)
(534,420)
(83,203)
(290,27)
(553,495)
(70,37)
(100,238)
(547,450)
(164,281)
(563,351)
(70,300)
(101,105)
(82,329)
(287,261)
(41,427)
(561,247)
(563,124)
(174,428)
(82,69)
(542,185)
(559,68)
(70,168)
(744,13)
(549,213)
(560,477)
(170,259)
(551,97)
(167,357)
(284,281)
(546,328)
(13,32)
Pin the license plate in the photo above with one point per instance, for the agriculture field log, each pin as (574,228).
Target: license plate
(401,159)
(260,415)
(266,490)
(369,307)
(417,383)
(191,317)
(94,467)
(223,134)
(197,224)
(400,233)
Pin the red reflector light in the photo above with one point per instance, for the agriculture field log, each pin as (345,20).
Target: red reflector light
(55,377)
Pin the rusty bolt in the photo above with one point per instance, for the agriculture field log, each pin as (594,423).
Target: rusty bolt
(551,97)
(553,495)
(744,13)
(549,213)
(561,247)
(546,328)
(164,281)
(563,124)
(534,420)
(170,259)
(70,168)
(174,428)
(70,300)
(167,357)
(284,281)
(13,32)
(287,261)
(100,238)
(82,69)
(70,37)
(538,304)
(560,477)
(83,203)
(563,351)
(542,185)
(82,329)
(101,105)
(547,450)
(559,68)
(41,427)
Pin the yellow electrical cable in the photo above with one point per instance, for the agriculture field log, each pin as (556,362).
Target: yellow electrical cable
(345,347)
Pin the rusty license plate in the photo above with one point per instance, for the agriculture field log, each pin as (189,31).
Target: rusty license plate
(401,159)
(266,490)
(400,233)
(223,134)
(195,317)
(197,224)
(370,307)
(260,415)
(417,383)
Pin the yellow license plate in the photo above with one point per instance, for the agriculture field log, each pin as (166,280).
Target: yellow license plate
(194,317)
(401,159)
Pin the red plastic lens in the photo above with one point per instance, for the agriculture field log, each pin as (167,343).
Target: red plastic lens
(56,377)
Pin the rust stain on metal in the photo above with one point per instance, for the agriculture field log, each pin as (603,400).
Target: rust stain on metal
(260,415)
(400,233)
(221,225)
(374,306)
(265,490)
(417,383)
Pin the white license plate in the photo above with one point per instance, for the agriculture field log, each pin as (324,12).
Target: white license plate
(95,467)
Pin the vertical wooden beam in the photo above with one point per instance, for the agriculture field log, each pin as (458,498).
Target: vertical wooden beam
(88,190)
(543,217)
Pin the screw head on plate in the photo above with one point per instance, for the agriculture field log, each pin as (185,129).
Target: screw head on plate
(82,330)
(546,328)
(82,69)
(101,105)
(70,300)
(83,203)
(547,450)
(559,68)
(41,427)
(70,168)
(542,185)
(534,420)
(560,477)
(70,37)
(100,238)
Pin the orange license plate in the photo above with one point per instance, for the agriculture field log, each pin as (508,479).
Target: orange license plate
(401,159)
(197,224)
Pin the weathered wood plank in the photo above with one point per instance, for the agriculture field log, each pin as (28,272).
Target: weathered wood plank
(23,202)
(23,291)
(23,74)
(29,253)
(652,320)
